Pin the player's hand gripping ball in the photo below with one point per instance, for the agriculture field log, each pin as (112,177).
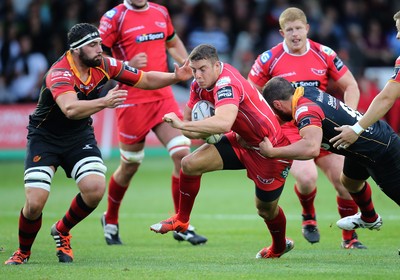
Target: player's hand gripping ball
(202,110)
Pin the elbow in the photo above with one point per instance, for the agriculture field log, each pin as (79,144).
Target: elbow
(71,114)
(314,152)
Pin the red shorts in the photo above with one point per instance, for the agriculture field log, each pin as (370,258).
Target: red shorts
(136,120)
(267,173)
(292,133)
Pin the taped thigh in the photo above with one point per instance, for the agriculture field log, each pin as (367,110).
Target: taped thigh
(178,143)
(38,177)
(88,166)
(132,157)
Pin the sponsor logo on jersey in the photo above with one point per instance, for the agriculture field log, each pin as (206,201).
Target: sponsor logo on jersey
(130,69)
(332,101)
(223,81)
(300,110)
(265,56)
(319,72)
(161,24)
(225,92)
(304,122)
(327,50)
(150,37)
(338,63)
(310,83)
(86,87)
(288,74)
(111,13)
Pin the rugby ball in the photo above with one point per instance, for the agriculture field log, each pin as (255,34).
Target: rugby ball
(202,110)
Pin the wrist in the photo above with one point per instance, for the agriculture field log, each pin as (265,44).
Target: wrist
(357,128)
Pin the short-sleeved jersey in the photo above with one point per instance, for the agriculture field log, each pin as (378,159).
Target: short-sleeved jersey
(63,77)
(128,32)
(313,68)
(255,119)
(317,108)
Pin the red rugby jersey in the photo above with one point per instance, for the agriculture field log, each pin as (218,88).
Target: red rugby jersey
(128,32)
(313,68)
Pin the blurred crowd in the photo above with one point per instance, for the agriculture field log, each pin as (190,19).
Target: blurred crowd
(33,34)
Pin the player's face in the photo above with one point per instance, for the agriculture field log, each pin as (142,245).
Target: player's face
(295,36)
(283,109)
(398,29)
(138,4)
(205,72)
(90,55)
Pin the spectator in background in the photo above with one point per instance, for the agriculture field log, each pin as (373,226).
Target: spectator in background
(248,43)
(211,33)
(377,50)
(29,68)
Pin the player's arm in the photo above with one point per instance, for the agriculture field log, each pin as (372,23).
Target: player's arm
(156,79)
(256,86)
(348,84)
(221,122)
(177,49)
(75,109)
(187,116)
(376,110)
(307,147)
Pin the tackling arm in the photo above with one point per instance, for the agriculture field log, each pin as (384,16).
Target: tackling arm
(307,147)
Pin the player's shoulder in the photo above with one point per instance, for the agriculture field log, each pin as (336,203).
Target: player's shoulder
(322,49)
(113,13)
(157,8)
(268,55)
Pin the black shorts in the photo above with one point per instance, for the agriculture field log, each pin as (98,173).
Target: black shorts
(385,172)
(43,150)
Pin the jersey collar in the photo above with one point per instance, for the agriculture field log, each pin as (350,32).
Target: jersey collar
(286,49)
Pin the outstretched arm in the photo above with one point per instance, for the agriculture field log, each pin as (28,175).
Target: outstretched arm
(377,109)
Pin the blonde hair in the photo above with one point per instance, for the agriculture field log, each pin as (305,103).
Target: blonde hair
(396,16)
(292,14)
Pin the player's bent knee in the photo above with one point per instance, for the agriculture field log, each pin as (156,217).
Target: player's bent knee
(88,166)
(177,144)
(38,177)
(132,157)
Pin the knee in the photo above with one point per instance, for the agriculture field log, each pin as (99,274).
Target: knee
(33,209)
(188,164)
(267,213)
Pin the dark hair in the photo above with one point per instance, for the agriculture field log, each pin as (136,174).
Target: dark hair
(277,89)
(204,51)
(80,30)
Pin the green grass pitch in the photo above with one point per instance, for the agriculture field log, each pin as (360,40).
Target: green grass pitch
(224,212)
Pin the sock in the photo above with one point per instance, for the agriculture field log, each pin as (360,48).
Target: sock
(307,202)
(277,229)
(116,193)
(175,192)
(189,188)
(346,208)
(27,231)
(76,213)
(364,202)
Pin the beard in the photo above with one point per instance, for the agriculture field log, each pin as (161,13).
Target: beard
(89,62)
